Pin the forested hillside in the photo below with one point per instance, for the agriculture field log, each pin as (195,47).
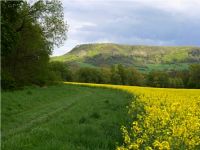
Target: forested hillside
(144,58)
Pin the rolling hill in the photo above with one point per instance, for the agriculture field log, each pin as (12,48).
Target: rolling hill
(144,58)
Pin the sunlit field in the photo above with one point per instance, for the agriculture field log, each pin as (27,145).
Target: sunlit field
(160,118)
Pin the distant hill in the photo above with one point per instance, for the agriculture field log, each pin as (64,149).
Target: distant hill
(144,58)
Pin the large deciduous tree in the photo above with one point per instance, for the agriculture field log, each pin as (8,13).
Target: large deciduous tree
(29,33)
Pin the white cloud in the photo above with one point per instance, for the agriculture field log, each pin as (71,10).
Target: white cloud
(80,24)
(68,45)
(187,8)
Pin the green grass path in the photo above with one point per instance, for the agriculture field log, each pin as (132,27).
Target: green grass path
(63,117)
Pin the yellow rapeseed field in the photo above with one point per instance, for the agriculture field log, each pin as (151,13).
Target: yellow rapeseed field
(161,118)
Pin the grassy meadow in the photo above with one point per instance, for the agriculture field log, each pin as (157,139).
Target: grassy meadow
(67,117)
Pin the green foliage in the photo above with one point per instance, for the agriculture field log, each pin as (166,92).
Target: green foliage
(135,77)
(50,16)
(29,32)
(106,75)
(115,76)
(157,79)
(90,75)
(194,80)
(126,76)
(7,81)
(121,75)
(59,71)
(175,83)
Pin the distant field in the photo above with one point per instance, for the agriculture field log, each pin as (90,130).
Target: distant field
(65,117)
(179,66)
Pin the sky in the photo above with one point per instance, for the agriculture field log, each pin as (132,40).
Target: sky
(133,22)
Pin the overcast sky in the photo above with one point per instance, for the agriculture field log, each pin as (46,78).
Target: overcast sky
(144,22)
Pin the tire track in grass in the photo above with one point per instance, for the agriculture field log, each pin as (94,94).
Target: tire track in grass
(38,119)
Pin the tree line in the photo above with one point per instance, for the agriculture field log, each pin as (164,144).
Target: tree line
(29,33)
(121,75)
